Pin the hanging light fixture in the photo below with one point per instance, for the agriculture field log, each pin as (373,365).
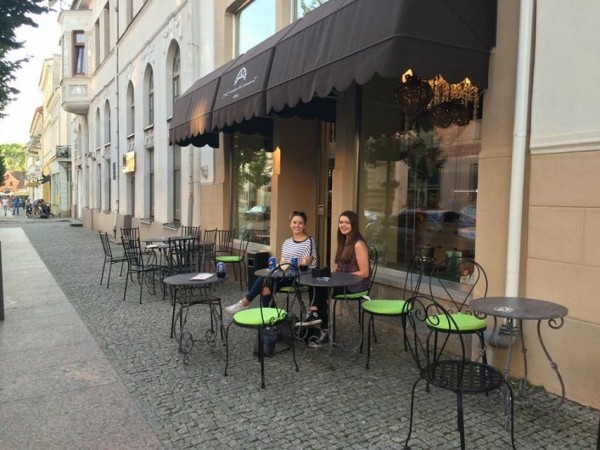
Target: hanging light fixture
(444,103)
(413,94)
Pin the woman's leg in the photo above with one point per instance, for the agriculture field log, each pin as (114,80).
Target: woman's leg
(320,304)
(256,289)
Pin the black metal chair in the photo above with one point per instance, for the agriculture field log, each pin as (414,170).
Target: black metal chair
(442,362)
(358,297)
(137,265)
(109,258)
(392,307)
(261,317)
(191,231)
(237,257)
(210,241)
(457,279)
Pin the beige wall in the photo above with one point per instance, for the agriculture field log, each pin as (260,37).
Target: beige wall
(560,247)
(563,264)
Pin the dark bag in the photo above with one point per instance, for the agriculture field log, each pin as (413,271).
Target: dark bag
(270,335)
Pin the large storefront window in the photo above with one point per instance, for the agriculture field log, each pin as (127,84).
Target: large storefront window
(418,177)
(252,172)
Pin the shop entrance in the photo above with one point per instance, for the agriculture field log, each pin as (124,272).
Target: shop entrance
(326,165)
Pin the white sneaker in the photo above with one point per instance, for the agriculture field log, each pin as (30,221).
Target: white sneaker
(239,306)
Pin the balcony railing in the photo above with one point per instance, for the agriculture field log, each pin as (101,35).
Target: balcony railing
(63,151)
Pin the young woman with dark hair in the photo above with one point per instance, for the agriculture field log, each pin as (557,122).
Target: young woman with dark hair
(352,256)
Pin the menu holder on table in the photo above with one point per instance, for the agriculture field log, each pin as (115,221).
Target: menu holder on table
(202,276)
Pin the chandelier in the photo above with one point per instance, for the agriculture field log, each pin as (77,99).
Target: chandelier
(444,103)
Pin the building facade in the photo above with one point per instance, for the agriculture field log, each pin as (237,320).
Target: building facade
(224,114)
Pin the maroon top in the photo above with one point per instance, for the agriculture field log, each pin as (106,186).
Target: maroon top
(349,267)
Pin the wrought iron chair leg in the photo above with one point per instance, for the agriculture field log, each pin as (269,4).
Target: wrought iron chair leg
(412,409)
(460,419)
(142,287)
(109,272)
(227,347)
(370,329)
(102,276)
(261,358)
(126,283)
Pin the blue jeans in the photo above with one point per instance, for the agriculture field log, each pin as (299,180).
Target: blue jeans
(257,288)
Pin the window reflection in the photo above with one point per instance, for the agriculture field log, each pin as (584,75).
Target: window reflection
(253,169)
(418,182)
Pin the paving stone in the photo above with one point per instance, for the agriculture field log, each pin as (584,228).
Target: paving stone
(194,406)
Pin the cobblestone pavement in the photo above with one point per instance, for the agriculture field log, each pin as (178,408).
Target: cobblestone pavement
(195,406)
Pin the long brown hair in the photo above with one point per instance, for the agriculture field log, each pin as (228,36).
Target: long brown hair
(345,248)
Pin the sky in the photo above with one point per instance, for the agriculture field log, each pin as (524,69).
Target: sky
(40,43)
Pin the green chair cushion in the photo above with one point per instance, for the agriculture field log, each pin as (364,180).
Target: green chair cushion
(385,307)
(229,259)
(258,317)
(465,323)
(291,289)
(351,295)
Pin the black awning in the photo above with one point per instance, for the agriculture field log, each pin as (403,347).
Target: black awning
(192,113)
(339,43)
(344,42)
(242,90)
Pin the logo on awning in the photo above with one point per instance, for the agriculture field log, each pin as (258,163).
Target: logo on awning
(241,75)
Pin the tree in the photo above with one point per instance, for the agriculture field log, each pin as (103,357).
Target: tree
(13,14)
(13,156)
(2,168)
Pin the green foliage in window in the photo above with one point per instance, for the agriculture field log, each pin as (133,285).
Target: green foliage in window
(253,167)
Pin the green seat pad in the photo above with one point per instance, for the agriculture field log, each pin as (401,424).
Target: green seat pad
(258,317)
(291,289)
(229,259)
(464,322)
(385,307)
(351,295)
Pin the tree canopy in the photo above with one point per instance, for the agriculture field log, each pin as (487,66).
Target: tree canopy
(13,156)
(13,14)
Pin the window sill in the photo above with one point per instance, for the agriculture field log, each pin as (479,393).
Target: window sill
(147,220)
(171,226)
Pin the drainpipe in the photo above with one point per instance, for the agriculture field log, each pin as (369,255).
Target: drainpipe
(117,133)
(191,188)
(519,151)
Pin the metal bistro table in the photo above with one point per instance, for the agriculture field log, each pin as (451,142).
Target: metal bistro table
(517,309)
(204,288)
(337,279)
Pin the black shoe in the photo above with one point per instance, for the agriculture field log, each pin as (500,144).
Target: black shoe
(320,341)
(310,320)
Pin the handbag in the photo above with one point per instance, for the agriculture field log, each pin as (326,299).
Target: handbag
(270,335)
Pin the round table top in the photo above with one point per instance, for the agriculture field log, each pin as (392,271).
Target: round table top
(264,272)
(166,238)
(186,279)
(337,279)
(521,308)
